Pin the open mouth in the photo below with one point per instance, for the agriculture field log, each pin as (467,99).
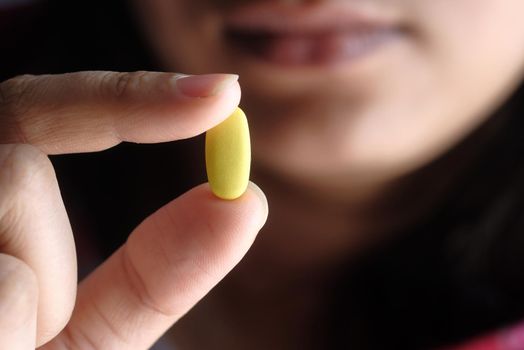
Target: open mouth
(308,35)
(309,48)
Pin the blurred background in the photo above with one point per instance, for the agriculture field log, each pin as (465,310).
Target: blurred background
(393,290)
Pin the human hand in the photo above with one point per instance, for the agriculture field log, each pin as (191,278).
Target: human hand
(169,262)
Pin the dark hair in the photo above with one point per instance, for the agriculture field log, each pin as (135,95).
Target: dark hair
(459,272)
(59,36)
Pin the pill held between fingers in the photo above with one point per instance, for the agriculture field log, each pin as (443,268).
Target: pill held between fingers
(228,156)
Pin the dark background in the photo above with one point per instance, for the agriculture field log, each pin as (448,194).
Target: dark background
(457,274)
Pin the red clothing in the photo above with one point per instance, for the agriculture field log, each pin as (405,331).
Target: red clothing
(511,338)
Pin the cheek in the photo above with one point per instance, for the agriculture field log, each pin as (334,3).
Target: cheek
(183,34)
(474,50)
(474,35)
(464,58)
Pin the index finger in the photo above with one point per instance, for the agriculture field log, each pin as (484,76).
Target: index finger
(92,111)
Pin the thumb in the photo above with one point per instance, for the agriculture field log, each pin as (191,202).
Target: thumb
(167,265)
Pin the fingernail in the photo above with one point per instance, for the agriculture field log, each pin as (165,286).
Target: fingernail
(205,85)
(260,194)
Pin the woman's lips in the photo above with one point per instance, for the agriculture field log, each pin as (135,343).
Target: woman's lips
(310,48)
(307,35)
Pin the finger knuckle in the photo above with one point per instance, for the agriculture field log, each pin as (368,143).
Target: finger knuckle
(14,94)
(126,84)
(23,168)
(73,338)
(17,271)
(19,290)
(138,286)
(24,172)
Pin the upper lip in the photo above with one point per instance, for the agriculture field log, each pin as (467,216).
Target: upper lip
(276,17)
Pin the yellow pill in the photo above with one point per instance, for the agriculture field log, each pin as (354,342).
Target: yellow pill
(228,156)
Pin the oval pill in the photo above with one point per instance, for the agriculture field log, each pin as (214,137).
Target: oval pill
(228,156)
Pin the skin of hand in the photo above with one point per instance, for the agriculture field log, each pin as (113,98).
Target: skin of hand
(170,261)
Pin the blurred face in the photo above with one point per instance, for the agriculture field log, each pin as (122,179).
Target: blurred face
(349,89)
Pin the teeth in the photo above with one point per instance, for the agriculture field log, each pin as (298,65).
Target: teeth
(291,50)
(310,49)
(353,46)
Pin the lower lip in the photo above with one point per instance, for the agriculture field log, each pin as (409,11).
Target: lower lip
(312,49)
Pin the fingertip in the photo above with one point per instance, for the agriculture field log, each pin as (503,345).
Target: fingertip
(204,85)
(252,203)
(209,101)
(173,107)
(197,115)
(224,103)
(261,196)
